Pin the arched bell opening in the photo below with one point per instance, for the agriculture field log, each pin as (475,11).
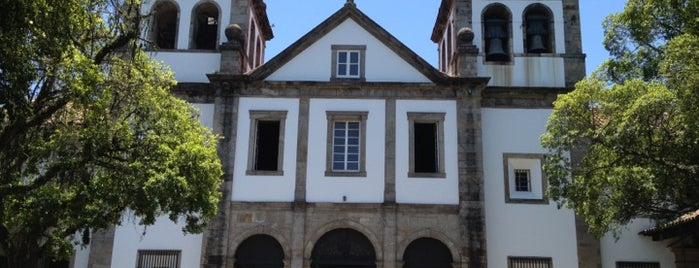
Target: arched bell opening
(497,22)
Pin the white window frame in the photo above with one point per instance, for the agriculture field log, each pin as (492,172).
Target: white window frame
(359,50)
(343,116)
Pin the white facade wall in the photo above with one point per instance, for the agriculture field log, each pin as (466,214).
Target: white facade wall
(253,188)
(543,71)
(164,235)
(369,189)
(631,246)
(426,190)
(315,63)
(190,66)
(514,229)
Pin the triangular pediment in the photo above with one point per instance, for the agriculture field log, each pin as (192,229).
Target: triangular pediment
(311,57)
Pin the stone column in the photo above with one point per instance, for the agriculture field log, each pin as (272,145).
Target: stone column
(298,235)
(471,195)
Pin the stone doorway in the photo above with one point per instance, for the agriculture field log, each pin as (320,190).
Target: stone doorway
(343,248)
(259,251)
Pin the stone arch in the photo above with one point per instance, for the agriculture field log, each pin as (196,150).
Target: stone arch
(427,252)
(538,22)
(428,233)
(343,247)
(496,20)
(308,248)
(235,241)
(259,250)
(205,25)
(164,26)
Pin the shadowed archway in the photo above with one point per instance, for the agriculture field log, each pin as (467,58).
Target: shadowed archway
(343,248)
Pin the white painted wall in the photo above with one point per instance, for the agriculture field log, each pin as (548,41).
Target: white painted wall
(81,256)
(190,66)
(369,189)
(525,72)
(255,188)
(426,190)
(314,63)
(164,235)
(520,229)
(544,71)
(634,247)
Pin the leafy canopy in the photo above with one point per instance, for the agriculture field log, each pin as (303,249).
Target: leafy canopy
(89,129)
(632,127)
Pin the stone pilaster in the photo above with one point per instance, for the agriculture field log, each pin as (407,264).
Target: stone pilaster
(101,247)
(215,244)
(574,57)
(389,195)
(302,150)
(471,195)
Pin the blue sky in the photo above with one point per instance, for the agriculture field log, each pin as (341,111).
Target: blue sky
(411,21)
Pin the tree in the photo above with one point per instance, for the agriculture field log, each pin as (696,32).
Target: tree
(634,122)
(89,130)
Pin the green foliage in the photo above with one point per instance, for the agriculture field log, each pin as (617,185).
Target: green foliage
(89,129)
(632,128)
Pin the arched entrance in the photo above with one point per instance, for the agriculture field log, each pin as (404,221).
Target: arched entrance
(427,253)
(259,251)
(343,248)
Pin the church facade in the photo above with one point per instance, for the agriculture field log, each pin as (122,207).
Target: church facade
(349,150)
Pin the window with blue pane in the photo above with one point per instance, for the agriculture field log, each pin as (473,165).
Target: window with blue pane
(346,143)
(348,62)
(346,146)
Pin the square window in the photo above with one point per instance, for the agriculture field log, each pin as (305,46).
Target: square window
(158,259)
(426,145)
(265,151)
(525,181)
(346,144)
(529,262)
(348,62)
(522,180)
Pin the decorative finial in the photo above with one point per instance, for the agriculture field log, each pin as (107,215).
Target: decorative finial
(350,2)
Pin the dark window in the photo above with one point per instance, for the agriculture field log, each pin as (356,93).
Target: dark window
(522,180)
(267,145)
(529,262)
(158,259)
(496,25)
(426,148)
(629,264)
(205,26)
(164,27)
